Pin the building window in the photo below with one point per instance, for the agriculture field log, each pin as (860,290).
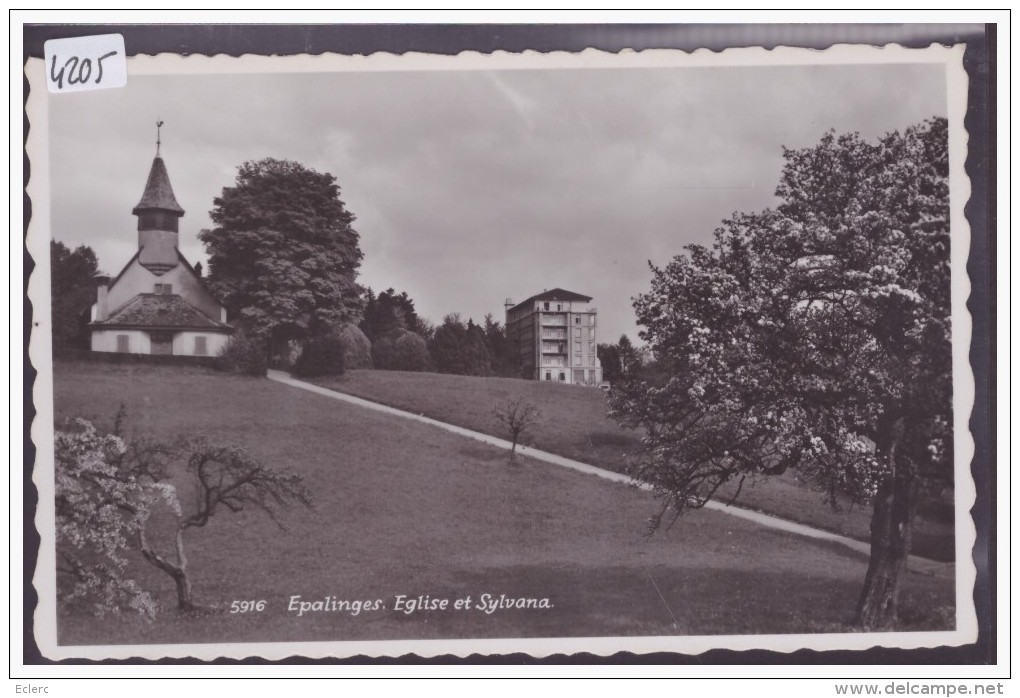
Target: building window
(577,333)
(591,333)
(548,375)
(545,306)
(591,360)
(577,319)
(123,343)
(563,376)
(559,306)
(200,347)
(164,289)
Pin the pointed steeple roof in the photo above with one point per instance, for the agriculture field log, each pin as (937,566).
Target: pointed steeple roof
(158,194)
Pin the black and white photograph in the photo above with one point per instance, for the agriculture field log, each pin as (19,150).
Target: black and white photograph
(546,353)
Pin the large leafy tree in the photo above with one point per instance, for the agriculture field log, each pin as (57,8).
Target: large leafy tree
(284,256)
(73,284)
(814,336)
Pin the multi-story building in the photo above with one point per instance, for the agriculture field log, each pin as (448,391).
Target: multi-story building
(555,333)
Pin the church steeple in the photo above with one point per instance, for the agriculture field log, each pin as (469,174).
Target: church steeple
(158,194)
(158,216)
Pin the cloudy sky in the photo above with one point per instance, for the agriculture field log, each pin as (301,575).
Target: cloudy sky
(470,187)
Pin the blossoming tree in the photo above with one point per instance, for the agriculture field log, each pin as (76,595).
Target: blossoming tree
(108,495)
(813,336)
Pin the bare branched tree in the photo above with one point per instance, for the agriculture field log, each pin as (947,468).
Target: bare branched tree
(516,415)
(225,477)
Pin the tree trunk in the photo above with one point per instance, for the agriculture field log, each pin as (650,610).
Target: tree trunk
(891,530)
(182,580)
(178,572)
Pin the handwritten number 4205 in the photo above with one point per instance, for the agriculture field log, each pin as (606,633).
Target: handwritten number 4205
(79,70)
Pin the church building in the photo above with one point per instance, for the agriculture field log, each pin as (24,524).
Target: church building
(158,304)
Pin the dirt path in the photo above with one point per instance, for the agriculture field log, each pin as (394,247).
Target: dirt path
(915,564)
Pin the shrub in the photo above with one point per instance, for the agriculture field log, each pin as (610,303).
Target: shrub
(384,353)
(412,353)
(322,356)
(357,347)
(401,351)
(243,354)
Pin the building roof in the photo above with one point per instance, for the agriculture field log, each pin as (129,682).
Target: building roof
(158,193)
(556,294)
(161,311)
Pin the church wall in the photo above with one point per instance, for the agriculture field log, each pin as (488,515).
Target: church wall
(190,288)
(139,343)
(137,279)
(106,340)
(184,343)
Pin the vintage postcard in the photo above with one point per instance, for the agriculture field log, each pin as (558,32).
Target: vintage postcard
(540,353)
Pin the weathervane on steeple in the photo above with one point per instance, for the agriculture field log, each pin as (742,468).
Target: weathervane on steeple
(159,125)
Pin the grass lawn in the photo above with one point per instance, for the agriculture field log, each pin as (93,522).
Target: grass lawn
(402,508)
(575,425)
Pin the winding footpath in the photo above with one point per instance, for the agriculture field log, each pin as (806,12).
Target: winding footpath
(914,563)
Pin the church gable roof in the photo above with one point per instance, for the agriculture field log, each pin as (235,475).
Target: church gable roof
(161,311)
(180,257)
(158,194)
